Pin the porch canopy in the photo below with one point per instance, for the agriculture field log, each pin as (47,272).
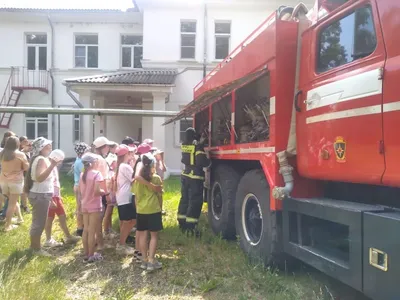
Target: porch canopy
(213,95)
(130,90)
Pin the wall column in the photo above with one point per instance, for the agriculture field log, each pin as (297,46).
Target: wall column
(147,122)
(87,121)
(158,128)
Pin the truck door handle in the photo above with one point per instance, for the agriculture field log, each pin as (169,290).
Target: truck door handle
(296,101)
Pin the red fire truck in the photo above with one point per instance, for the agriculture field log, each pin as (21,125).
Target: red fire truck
(301,121)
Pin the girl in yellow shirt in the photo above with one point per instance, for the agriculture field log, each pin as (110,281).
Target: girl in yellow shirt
(149,218)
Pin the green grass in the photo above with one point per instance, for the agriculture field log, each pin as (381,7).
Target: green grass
(210,268)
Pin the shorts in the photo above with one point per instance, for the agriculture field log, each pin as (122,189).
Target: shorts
(15,188)
(58,210)
(127,212)
(150,222)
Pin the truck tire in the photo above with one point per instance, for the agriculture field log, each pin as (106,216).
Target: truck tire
(221,204)
(255,222)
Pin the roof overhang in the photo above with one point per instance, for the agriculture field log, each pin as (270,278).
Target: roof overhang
(213,95)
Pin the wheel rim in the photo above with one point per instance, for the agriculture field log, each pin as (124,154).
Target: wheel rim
(216,201)
(252,219)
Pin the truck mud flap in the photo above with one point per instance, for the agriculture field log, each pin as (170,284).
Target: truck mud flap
(382,255)
(327,234)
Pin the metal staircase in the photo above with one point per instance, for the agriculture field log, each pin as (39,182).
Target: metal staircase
(20,79)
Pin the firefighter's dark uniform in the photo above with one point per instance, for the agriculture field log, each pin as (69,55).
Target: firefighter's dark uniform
(195,159)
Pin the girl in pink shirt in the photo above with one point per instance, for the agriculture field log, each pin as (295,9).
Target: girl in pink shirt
(91,193)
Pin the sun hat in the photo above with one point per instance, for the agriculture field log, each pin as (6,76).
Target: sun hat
(57,155)
(102,141)
(143,148)
(38,145)
(148,142)
(81,148)
(129,141)
(124,149)
(89,157)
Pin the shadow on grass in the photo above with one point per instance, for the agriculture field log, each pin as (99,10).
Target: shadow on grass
(17,260)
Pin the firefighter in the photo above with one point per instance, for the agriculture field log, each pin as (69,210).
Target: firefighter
(192,182)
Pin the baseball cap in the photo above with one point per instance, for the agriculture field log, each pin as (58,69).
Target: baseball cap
(102,141)
(129,141)
(148,142)
(124,149)
(143,148)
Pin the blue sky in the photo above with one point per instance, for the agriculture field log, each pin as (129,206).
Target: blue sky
(76,4)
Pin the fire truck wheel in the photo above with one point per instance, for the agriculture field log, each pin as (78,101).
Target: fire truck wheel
(221,205)
(255,223)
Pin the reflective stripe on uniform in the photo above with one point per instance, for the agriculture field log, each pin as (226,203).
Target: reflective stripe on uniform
(192,220)
(190,149)
(200,152)
(192,176)
(181,217)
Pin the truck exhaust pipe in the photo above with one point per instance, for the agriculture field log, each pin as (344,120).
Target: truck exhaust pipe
(285,169)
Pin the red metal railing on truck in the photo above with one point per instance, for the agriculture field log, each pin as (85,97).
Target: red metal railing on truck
(200,87)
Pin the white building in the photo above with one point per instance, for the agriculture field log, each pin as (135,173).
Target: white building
(149,57)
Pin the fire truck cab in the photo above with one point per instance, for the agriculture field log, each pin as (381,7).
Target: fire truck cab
(301,121)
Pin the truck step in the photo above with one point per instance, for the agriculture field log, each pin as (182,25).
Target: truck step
(327,234)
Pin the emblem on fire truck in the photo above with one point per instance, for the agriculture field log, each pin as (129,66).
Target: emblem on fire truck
(340,149)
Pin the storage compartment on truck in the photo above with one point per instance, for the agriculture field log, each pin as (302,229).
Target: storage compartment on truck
(221,121)
(381,248)
(326,234)
(201,121)
(252,111)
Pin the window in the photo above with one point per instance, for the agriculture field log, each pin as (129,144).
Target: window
(351,38)
(77,128)
(188,39)
(222,39)
(86,51)
(36,51)
(36,125)
(183,125)
(131,51)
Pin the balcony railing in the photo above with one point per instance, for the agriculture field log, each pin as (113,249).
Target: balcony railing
(23,78)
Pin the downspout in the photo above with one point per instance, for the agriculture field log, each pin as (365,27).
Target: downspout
(205,39)
(53,134)
(68,90)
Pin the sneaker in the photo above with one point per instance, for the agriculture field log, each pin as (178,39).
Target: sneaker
(11,227)
(72,239)
(130,240)
(156,265)
(95,257)
(79,232)
(125,250)
(51,243)
(138,257)
(109,235)
(41,252)
(143,266)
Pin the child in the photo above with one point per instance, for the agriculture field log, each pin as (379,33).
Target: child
(57,208)
(126,206)
(80,149)
(91,193)
(148,207)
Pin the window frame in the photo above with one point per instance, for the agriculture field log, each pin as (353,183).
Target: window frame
(86,50)
(132,47)
(37,49)
(36,120)
(182,33)
(329,23)
(76,130)
(217,35)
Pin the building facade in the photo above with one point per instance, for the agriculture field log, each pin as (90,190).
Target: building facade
(148,57)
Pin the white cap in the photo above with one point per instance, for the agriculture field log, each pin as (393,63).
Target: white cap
(57,155)
(102,141)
